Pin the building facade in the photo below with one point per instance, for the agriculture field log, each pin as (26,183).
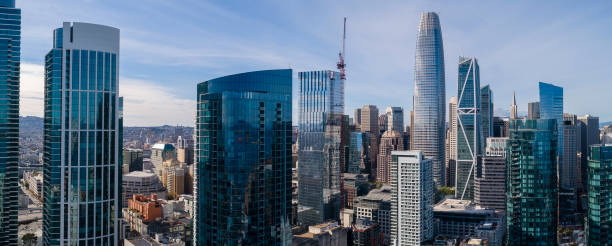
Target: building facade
(321,105)
(469,138)
(82,150)
(10,53)
(486,112)
(395,118)
(599,217)
(133,158)
(243,159)
(143,183)
(533,110)
(376,206)
(430,95)
(451,156)
(356,153)
(412,198)
(532,162)
(490,183)
(551,107)
(390,141)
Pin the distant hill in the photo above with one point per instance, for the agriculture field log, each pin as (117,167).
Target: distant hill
(602,124)
(30,125)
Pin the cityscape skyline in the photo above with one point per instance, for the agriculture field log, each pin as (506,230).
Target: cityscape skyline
(301,44)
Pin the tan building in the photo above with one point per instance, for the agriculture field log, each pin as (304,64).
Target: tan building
(173,178)
(390,141)
(327,234)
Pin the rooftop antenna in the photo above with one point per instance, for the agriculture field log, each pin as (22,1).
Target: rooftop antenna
(341,55)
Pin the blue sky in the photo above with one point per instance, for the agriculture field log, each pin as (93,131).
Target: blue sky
(167,47)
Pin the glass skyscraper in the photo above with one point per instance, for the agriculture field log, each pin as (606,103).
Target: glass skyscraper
(10,42)
(531,191)
(486,112)
(243,159)
(82,137)
(429,99)
(551,107)
(599,190)
(469,145)
(321,105)
(355,152)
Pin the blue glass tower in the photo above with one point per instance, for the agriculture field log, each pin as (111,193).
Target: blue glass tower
(551,107)
(531,192)
(599,190)
(243,160)
(469,145)
(430,95)
(486,113)
(355,152)
(82,137)
(321,105)
(10,42)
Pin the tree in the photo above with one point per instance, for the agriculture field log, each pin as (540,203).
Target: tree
(29,239)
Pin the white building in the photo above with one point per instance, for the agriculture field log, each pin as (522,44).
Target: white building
(412,198)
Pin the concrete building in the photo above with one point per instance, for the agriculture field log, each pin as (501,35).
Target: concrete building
(451,157)
(496,146)
(357,117)
(382,123)
(490,183)
(133,159)
(369,119)
(144,183)
(354,185)
(412,198)
(514,108)
(326,234)
(376,206)
(366,232)
(390,141)
(34,180)
(533,110)
(462,218)
(160,153)
(395,119)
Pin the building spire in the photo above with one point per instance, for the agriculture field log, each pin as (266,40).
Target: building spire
(513,107)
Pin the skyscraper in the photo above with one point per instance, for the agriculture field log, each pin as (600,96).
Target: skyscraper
(486,113)
(599,219)
(532,212)
(369,119)
(321,105)
(412,198)
(490,181)
(356,152)
(469,145)
(430,94)
(390,141)
(243,159)
(451,156)
(513,107)
(551,107)
(357,117)
(82,142)
(395,117)
(10,43)
(382,123)
(533,110)
(589,135)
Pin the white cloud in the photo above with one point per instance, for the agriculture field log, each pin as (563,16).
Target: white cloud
(31,89)
(149,104)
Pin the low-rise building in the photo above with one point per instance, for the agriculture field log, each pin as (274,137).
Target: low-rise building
(145,183)
(326,234)
(366,232)
(376,206)
(461,218)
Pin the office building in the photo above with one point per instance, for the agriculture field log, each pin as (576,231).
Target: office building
(10,53)
(82,151)
(514,108)
(598,219)
(369,119)
(500,127)
(451,156)
(390,141)
(496,146)
(533,110)
(160,153)
(395,117)
(382,123)
(367,232)
(551,107)
(412,198)
(356,153)
(328,234)
(357,117)
(429,99)
(486,112)
(184,150)
(243,150)
(376,206)
(589,135)
(568,172)
(462,218)
(321,105)
(132,159)
(469,131)
(490,183)
(532,162)
(354,185)
(141,182)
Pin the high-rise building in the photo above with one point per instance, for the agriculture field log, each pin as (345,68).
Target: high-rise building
(569,172)
(357,117)
(376,205)
(451,156)
(82,145)
(382,123)
(496,146)
(514,107)
(160,153)
(395,117)
(486,112)
(321,100)
(369,119)
(499,127)
(430,95)
(132,158)
(599,218)
(184,150)
(469,146)
(390,141)
(141,182)
(551,107)
(10,39)
(490,181)
(412,198)
(589,135)
(356,153)
(243,159)
(532,162)
(533,110)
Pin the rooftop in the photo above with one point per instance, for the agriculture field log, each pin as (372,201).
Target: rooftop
(143,174)
(456,205)
(381,194)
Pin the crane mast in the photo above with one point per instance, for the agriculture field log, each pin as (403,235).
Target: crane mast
(341,55)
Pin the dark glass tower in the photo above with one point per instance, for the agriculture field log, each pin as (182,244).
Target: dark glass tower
(599,188)
(82,137)
(321,106)
(531,192)
(243,160)
(10,41)
(469,131)
(430,95)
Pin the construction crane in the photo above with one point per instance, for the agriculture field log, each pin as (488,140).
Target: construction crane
(341,64)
